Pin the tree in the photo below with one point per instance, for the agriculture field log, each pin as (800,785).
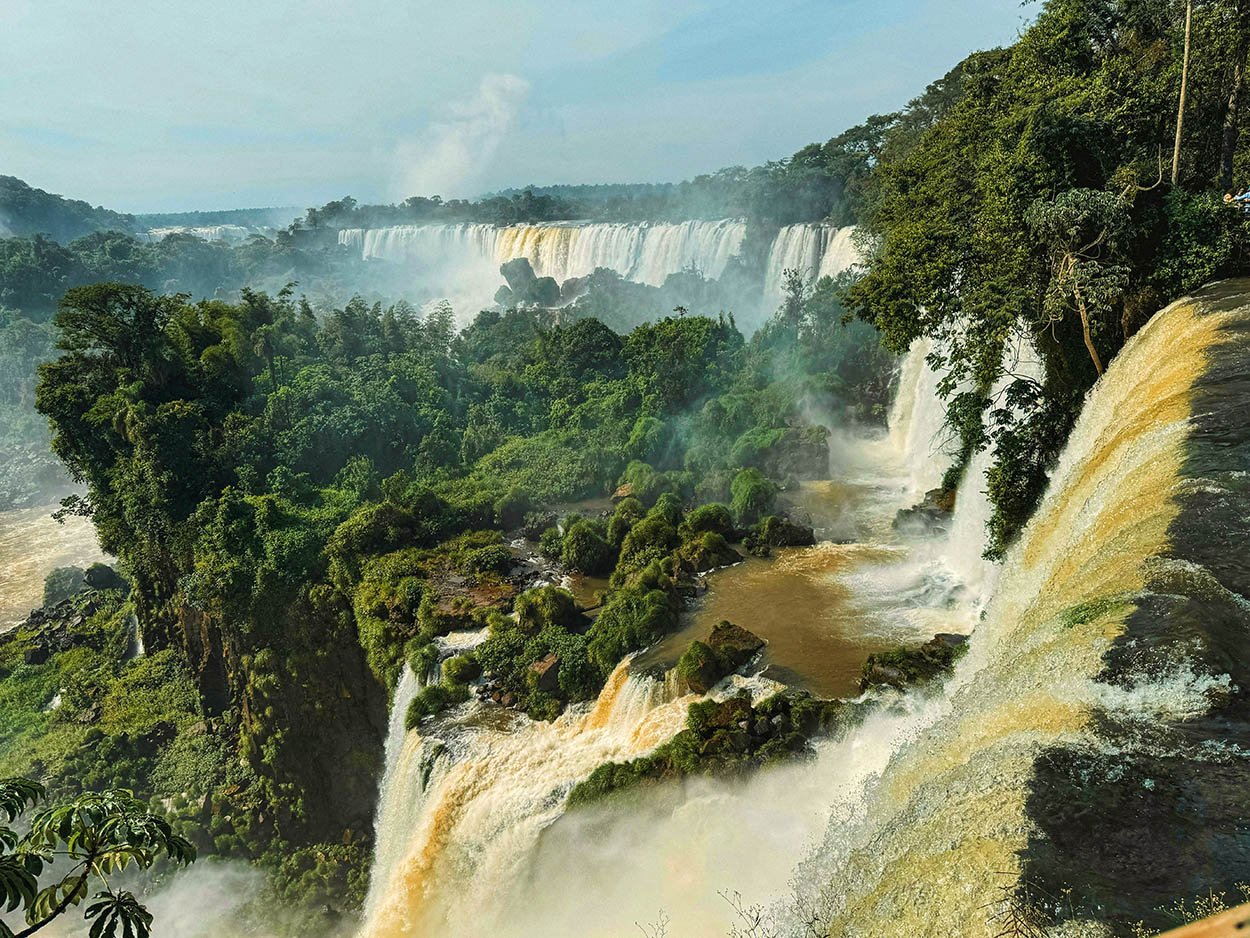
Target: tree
(1180,108)
(1083,230)
(1232,112)
(91,838)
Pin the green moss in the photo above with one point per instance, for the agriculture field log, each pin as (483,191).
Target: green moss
(726,737)
(586,550)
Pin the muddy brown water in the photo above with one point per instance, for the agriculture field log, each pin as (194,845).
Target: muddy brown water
(824,609)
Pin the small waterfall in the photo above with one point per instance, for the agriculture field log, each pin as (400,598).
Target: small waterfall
(466,798)
(814,250)
(916,440)
(397,805)
(966,540)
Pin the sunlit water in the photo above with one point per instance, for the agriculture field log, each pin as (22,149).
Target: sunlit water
(32,545)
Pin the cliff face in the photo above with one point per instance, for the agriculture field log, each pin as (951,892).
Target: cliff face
(313,722)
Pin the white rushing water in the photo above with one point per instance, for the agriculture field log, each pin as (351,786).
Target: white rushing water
(463,259)
(814,251)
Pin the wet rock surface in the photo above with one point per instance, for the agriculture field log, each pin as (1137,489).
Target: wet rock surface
(932,516)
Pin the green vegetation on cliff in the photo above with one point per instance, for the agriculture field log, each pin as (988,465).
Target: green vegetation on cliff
(302,503)
(1030,192)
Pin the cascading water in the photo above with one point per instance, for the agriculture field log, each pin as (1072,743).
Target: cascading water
(463,259)
(815,251)
(463,806)
(971,801)
(965,542)
(646,253)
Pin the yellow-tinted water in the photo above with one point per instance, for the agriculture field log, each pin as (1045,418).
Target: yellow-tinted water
(32,544)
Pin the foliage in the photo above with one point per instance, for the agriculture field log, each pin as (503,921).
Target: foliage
(754,496)
(92,836)
(586,550)
(1025,195)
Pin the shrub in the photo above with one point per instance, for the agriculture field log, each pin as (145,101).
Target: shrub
(668,507)
(551,543)
(707,551)
(649,540)
(714,517)
(512,507)
(461,669)
(632,618)
(495,558)
(645,484)
(753,496)
(545,606)
(434,700)
(628,512)
(586,551)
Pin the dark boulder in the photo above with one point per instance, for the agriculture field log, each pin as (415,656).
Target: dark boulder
(906,666)
(931,516)
(727,649)
(545,675)
(519,274)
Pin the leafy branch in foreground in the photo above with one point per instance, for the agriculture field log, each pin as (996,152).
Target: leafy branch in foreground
(92,837)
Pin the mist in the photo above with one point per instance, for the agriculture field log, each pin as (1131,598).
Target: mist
(449,156)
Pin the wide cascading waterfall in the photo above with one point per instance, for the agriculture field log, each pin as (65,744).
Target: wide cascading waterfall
(644,252)
(462,261)
(1096,695)
(465,800)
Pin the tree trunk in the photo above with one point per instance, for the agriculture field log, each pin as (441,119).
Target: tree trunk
(1089,338)
(1180,110)
(1232,114)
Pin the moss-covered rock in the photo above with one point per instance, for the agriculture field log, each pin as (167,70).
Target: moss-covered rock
(706,551)
(911,665)
(728,648)
(725,737)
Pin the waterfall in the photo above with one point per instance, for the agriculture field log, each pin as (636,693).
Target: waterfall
(463,259)
(916,442)
(1095,729)
(972,798)
(466,798)
(814,250)
(966,539)
(397,802)
(644,252)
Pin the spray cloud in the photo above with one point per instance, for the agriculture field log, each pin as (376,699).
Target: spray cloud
(451,152)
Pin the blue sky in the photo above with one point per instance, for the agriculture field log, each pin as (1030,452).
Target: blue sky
(185,104)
